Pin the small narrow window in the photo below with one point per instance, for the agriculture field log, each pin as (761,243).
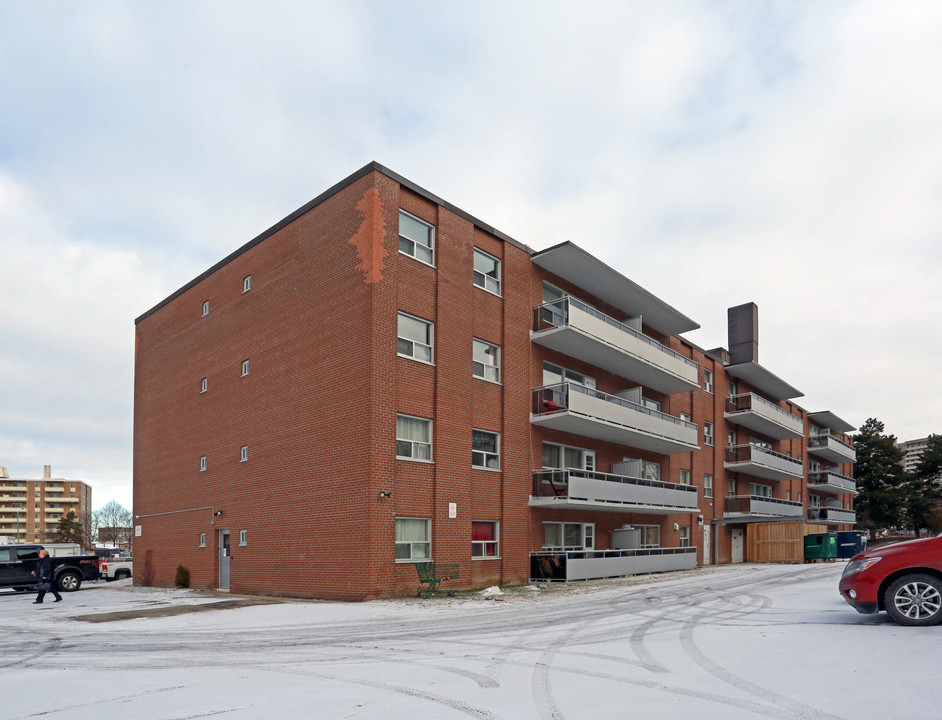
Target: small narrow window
(684,477)
(202,539)
(243,537)
(246,283)
(707,433)
(708,486)
(206,308)
(245,368)
(244,453)
(708,380)
(486,361)
(204,385)
(684,536)
(486,271)
(203,464)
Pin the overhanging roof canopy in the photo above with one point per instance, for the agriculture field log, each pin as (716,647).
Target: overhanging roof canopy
(761,379)
(574,264)
(825,418)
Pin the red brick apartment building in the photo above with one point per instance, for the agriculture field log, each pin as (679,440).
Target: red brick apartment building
(381,378)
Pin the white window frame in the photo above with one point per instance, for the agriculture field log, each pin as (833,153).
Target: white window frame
(708,433)
(408,245)
(488,371)
(483,280)
(650,535)
(760,490)
(732,388)
(479,547)
(587,457)
(205,308)
(707,485)
(686,417)
(483,459)
(203,463)
(731,438)
(202,540)
(566,375)
(245,368)
(414,445)
(586,532)
(243,538)
(246,283)
(685,477)
(204,385)
(414,344)
(683,539)
(410,545)
(731,485)
(244,453)
(708,380)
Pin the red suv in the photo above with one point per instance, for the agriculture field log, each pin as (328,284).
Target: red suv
(905,579)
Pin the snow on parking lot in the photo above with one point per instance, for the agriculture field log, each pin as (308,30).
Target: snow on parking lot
(748,641)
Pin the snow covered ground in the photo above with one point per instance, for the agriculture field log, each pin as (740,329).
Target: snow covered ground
(748,641)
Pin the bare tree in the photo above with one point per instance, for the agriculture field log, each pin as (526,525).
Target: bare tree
(113,523)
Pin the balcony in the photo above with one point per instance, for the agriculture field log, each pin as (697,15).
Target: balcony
(831,516)
(573,328)
(746,506)
(831,448)
(68,500)
(560,565)
(756,413)
(583,489)
(833,483)
(572,408)
(762,463)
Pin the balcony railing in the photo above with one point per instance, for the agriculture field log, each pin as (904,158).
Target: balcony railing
(560,565)
(761,462)
(831,482)
(747,505)
(832,448)
(832,515)
(757,413)
(574,328)
(583,489)
(573,408)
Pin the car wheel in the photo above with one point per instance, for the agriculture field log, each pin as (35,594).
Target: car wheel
(122,575)
(915,600)
(69,581)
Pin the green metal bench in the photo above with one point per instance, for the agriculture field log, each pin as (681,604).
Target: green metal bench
(432,575)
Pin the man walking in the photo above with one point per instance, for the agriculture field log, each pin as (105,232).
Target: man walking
(43,573)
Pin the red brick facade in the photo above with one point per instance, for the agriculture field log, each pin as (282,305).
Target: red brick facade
(320,488)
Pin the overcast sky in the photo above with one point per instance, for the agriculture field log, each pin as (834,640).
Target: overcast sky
(716,153)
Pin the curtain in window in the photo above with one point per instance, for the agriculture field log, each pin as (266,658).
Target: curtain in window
(551,455)
(414,429)
(411,530)
(482,531)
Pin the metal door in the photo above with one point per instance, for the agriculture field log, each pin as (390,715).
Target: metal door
(707,548)
(224,559)
(738,546)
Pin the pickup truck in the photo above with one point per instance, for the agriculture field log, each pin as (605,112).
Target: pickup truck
(116,568)
(17,563)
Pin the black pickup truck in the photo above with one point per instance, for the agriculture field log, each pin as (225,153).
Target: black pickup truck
(17,563)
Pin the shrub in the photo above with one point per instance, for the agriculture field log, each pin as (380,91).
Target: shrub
(183,577)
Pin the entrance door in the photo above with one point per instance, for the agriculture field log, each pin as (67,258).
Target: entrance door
(738,546)
(224,559)
(707,548)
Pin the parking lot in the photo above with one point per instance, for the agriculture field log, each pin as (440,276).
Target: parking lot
(748,641)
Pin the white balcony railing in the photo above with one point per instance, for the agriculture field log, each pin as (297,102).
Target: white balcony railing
(830,482)
(746,505)
(584,489)
(552,565)
(757,413)
(832,448)
(574,328)
(761,462)
(832,515)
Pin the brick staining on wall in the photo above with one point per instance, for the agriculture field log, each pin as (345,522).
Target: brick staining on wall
(320,490)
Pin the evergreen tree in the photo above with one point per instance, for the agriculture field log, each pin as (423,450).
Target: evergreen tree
(926,488)
(69,530)
(882,483)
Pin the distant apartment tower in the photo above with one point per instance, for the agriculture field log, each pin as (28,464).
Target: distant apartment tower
(30,509)
(913,450)
(381,379)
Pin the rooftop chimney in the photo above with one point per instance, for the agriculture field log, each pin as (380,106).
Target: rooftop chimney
(743,333)
(3,472)
(47,472)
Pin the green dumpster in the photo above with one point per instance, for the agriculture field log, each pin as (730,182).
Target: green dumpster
(821,546)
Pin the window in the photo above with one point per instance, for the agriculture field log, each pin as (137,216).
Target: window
(486,271)
(245,368)
(486,359)
(684,477)
(203,463)
(413,539)
(202,539)
(568,536)
(415,338)
(731,438)
(246,283)
(650,535)
(687,417)
(685,536)
(708,486)
(413,438)
(206,308)
(732,387)
(760,490)
(732,487)
(243,537)
(485,449)
(484,539)
(558,457)
(708,380)
(651,470)
(553,375)
(707,433)
(244,453)
(416,238)
(204,385)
